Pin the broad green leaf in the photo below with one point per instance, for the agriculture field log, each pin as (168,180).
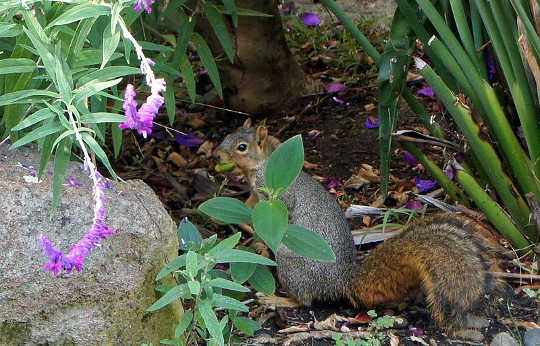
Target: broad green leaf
(191,263)
(63,78)
(61,161)
(180,291)
(110,43)
(226,209)
(173,265)
(38,133)
(228,256)
(34,118)
(80,37)
(241,272)
(210,320)
(22,95)
(102,117)
(187,317)
(82,11)
(233,286)
(99,152)
(208,61)
(46,152)
(263,280)
(270,220)
(149,46)
(115,15)
(285,164)
(307,243)
(92,88)
(184,36)
(41,42)
(246,325)
(218,24)
(170,99)
(231,7)
(229,303)
(188,236)
(226,244)
(92,57)
(10,30)
(189,78)
(17,65)
(194,287)
(108,73)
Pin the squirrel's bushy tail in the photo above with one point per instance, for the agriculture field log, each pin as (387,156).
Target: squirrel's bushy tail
(439,255)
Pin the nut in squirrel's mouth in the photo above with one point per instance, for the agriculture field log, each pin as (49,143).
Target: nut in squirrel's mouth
(224,167)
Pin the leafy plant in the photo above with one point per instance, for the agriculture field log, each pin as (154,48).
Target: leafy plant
(202,286)
(376,335)
(270,218)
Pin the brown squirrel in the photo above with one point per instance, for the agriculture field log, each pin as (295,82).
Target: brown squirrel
(438,255)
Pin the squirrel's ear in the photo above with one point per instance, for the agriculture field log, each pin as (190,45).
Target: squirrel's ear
(247,123)
(261,134)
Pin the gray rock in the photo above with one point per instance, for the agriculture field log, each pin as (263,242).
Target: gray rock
(503,339)
(532,337)
(105,303)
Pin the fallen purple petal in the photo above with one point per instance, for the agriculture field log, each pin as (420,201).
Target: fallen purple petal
(188,140)
(449,173)
(424,185)
(409,158)
(414,205)
(73,182)
(427,91)
(372,123)
(416,331)
(310,19)
(335,87)
(333,183)
(340,101)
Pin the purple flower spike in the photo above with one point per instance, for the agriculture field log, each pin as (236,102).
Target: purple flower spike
(424,185)
(141,120)
(139,4)
(310,19)
(427,91)
(414,205)
(335,87)
(409,158)
(372,123)
(188,140)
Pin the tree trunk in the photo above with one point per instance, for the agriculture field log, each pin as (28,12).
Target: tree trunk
(265,77)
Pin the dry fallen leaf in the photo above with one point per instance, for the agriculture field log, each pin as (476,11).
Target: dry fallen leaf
(206,149)
(277,301)
(177,159)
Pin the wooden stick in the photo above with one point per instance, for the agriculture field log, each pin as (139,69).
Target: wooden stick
(515,276)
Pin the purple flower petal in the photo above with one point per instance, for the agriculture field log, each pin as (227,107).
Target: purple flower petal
(424,185)
(142,119)
(139,4)
(409,158)
(340,101)
(310,19)
(449,173)
(73,182)
(427,91)
(414,205)
(459,157)
(188,140)
(372,123)
(491,65)
(335,87)
(333,183)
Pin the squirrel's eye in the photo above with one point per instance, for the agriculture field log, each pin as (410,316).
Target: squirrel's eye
(241,147)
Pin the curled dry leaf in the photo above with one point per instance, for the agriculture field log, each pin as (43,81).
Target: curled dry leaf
(177,159)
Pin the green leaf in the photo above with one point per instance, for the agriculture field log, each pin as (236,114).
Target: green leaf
(226,244)
(17,65)
(227,209)
(187,317)
(307,243)
(170,99)
(241,272)
(229,303)
(194,287)
(285,164)
(263,280)
(233,255)
(81,34)
(61,161)
(233,286)
(76,13)
(92,88)
(231,7)
(246,325)
(115,15)
(188,236)
(218,24)
(34,118)
(46,152)
(99,152)
(40,132)
(210,320)
(244,12)
(92,57)
(184,36)
(189,78)
(110,43)
(173,265)
(208,61)
(102,117)
(180,291)
(191,263)
(108,73)
(270,220)
(30,94)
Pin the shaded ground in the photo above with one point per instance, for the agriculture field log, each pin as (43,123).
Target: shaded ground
(341,152)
